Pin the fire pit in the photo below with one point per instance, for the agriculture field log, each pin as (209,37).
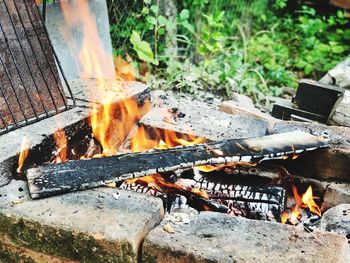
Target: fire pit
(129,176)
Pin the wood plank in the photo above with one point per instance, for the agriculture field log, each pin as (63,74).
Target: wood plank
(53,179)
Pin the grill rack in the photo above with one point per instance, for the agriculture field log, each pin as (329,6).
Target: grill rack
(12,121)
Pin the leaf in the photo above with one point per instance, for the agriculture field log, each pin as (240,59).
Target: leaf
(338,49)
(142,48)
(151,19)
(154,9)
(162,20)
(308,69)
(185,14)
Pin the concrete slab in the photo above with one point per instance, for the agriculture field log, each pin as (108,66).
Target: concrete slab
(102,225)
(215,237)
(88,91)
(203,121)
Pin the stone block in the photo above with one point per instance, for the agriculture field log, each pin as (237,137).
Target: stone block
(215,237)
(337,219)
(10,253)
(204,122)
(102,225)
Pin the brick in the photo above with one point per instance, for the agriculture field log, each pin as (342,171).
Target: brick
(215,237)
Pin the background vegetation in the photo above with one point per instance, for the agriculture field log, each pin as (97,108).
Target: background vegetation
(256,47)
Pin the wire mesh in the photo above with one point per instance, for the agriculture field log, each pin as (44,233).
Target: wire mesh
(124,18)
(31,89)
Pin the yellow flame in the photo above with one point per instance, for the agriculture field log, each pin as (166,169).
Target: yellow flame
(23,155)
(308,200)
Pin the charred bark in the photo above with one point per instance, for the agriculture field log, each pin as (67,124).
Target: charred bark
(53,179)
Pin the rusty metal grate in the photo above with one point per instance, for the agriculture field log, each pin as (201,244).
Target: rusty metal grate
(30,71)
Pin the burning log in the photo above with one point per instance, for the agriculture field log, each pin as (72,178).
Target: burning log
(53,179)
(216,193)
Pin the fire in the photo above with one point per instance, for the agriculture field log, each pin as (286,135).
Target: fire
(157,182)
(211,168)
(161,139)
(304,201)
(23,155)
(61,146)
(308,201)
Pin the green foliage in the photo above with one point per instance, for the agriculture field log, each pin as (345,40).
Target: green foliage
(245,46)
(142,48)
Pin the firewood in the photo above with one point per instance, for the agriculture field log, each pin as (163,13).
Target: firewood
(53,179)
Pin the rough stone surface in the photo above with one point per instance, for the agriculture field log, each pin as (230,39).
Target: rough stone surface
(102,225)
(204,122)
(214,237)
(10,253)
(337,219)
(99,91)
(339,75)
(341,115)
(69,55)
(332,163)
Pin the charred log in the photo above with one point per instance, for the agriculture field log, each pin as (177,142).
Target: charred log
(53,179)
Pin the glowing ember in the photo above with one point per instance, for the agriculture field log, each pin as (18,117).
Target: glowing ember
(23,155)
(157,182)
(211,168)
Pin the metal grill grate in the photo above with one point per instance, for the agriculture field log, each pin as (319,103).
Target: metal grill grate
(30,88)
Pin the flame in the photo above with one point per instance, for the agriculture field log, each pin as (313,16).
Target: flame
(61,146)
(304,201)
(157,182)
(211,168)
(308,200)
(23,155)
(161,139)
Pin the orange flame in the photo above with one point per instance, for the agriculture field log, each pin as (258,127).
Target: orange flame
(308,201)
(61,146)
(111,121)
(157,182)
(162,139)
(304,201)
(23,155)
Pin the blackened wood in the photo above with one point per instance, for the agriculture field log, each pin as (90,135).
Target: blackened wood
(263,202)
(29,78)
(52,179)
(287,111)
(316,97)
